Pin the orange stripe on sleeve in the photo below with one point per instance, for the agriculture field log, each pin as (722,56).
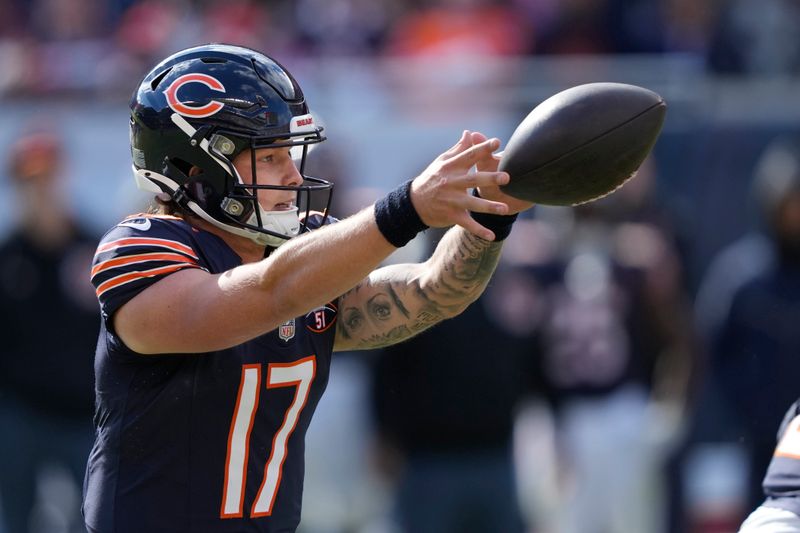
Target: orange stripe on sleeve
(139,258)
(122,279)
(148,241)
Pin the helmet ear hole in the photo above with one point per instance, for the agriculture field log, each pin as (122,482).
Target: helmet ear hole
(184,166)
(200,191)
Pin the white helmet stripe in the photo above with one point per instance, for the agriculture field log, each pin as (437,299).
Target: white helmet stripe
(145,179)
(189,130)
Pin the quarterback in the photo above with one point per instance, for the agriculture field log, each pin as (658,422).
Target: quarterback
(221,308)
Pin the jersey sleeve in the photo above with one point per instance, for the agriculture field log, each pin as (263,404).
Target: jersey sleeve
(316,220)
(137,253)
(790,415)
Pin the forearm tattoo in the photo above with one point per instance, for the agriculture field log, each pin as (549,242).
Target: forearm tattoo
(397,302)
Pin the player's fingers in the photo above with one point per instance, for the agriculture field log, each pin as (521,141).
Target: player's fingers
(481,205)
(489,164)
(469,224)
(473,154)
(477,137)
(463,143)
(471,180)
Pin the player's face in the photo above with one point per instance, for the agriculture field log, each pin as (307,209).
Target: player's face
(274,166)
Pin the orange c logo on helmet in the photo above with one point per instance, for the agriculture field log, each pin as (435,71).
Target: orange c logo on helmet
(179,107)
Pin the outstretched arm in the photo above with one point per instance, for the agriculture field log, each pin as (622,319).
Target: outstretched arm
(398,301)
(205,312)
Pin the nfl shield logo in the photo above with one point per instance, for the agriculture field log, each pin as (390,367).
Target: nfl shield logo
(286,330)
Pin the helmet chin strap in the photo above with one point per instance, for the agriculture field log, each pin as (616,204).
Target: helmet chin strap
(285,222)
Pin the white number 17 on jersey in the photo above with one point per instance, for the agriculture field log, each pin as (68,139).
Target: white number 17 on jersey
(298,374)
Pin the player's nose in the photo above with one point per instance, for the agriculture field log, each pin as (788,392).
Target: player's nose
(292,176)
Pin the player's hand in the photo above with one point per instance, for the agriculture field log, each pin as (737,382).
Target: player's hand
(493,192)
(441,194)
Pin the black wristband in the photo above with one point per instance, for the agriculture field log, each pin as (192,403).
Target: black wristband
(396,217)
(499,224)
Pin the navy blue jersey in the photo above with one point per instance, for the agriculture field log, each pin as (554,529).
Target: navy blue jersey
(782,481)
(209,442)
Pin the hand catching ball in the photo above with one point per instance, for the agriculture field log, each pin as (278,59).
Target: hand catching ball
(582,143)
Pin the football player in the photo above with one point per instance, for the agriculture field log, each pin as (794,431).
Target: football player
(780,512)
(220,311)
(43,287)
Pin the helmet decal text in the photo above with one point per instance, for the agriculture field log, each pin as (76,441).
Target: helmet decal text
(179,107)
(302,123)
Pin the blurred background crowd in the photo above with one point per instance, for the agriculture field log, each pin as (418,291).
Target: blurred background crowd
(626,370)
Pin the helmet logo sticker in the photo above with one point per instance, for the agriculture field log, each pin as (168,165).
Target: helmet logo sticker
(181,108)
(302,123)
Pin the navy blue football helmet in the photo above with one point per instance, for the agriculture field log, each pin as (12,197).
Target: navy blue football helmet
(203,106)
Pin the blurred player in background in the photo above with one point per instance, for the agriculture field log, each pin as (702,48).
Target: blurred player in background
(49,326)
(752,312)
(444,404)
(614,351)
(220,312)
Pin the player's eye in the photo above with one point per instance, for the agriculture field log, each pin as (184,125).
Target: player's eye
(267,158)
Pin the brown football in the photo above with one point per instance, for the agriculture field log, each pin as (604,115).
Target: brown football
(582,143)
